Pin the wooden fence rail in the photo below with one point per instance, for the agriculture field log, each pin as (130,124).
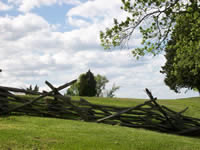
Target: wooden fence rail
(149,115)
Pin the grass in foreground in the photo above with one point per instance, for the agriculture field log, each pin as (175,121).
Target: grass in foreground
(34,133)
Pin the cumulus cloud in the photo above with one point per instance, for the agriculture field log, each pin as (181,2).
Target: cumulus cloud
(27,5)
(13,28)
(96,9)
(96,12)
(93,16)
(78,22)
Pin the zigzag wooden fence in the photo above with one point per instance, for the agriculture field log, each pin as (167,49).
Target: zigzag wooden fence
(149,115)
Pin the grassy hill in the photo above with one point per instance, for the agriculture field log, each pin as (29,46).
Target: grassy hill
(34,133)
(193,103)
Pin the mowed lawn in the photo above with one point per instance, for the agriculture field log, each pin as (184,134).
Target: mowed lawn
(35,133)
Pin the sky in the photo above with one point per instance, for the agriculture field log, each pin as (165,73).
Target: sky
(57,40)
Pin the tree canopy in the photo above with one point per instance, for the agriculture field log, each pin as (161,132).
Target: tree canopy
(172,26)
(154,18)
(101,84)
(87,86)
(31,89)
(73,89)
(182,67)
(101,90)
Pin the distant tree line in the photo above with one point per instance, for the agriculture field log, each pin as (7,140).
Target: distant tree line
(33,89)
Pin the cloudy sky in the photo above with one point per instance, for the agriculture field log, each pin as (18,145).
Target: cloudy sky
(57,40)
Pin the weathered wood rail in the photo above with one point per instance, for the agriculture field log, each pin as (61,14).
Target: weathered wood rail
(149,115)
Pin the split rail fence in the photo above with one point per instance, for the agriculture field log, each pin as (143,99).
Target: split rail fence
(149,115)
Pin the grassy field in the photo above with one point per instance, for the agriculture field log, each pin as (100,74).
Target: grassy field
(193,104)
(35,133)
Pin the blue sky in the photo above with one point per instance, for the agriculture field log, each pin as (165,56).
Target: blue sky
(57,40)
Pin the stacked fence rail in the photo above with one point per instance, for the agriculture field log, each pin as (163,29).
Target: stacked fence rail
(148,115)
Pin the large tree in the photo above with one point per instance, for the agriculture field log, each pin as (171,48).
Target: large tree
(182,67)
(181,77)
(158,21)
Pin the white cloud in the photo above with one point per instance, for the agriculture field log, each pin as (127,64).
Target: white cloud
(95,9)
(93,16)
(13,28)
(78,22)
(27,5)
(96,12)
(4,7)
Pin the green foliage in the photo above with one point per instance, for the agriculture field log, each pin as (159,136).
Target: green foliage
(170,25)
(87,86)
(73,90)
(182,68)
(101,84)
(36,88)
(31,89)
(155,19)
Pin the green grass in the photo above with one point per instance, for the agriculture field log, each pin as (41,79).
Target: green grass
(193,104)
(122,102)
(34,133)
(45,133)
